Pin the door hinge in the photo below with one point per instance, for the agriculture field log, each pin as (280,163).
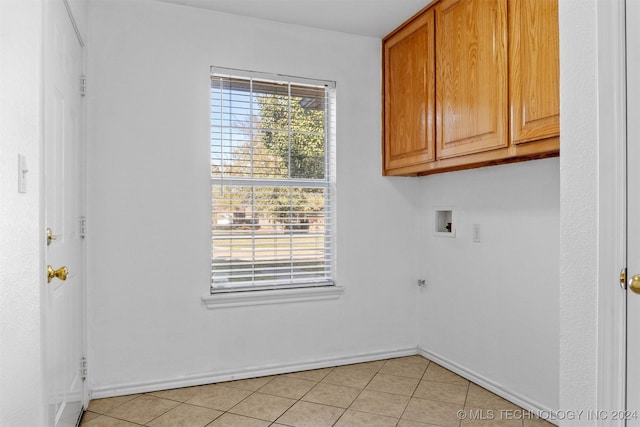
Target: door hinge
(83,85)
(623,278)
(83,227)
(83,368)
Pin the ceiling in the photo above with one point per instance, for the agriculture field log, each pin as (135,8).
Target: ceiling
(373,18)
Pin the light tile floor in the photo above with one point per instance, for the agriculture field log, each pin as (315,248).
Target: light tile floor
(403,392)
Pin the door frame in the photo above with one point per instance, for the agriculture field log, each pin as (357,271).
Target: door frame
(612,206)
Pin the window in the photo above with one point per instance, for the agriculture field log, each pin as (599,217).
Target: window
(272,181)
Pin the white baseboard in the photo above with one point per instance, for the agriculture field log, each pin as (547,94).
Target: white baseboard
(252,372)
(276,369)
(505,393)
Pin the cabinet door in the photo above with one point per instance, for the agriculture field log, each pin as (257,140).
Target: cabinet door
(535,70)
(409,94)
(471,83)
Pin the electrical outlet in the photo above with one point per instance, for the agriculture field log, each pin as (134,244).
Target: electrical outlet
(476,233)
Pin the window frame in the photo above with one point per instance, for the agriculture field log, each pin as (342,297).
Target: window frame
(277,291)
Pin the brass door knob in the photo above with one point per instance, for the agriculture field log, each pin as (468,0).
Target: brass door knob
(60,273)
(634,284)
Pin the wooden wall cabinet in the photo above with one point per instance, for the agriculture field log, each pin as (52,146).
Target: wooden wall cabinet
(471,87)
(409,94)
(496,82)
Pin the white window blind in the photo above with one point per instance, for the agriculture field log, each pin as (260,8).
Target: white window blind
(272,181)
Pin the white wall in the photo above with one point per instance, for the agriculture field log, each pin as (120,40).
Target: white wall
(579,205)
(490,309)
(22,399)
(148,211)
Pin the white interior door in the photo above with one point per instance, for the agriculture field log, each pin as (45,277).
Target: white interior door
(633,213)
(64,299)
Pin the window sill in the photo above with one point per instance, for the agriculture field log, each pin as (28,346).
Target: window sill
(278,296)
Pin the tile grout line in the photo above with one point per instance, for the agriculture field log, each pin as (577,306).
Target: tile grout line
(414,391)
(464,405)
(363,389)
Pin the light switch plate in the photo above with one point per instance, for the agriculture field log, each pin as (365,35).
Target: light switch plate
(22,173)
